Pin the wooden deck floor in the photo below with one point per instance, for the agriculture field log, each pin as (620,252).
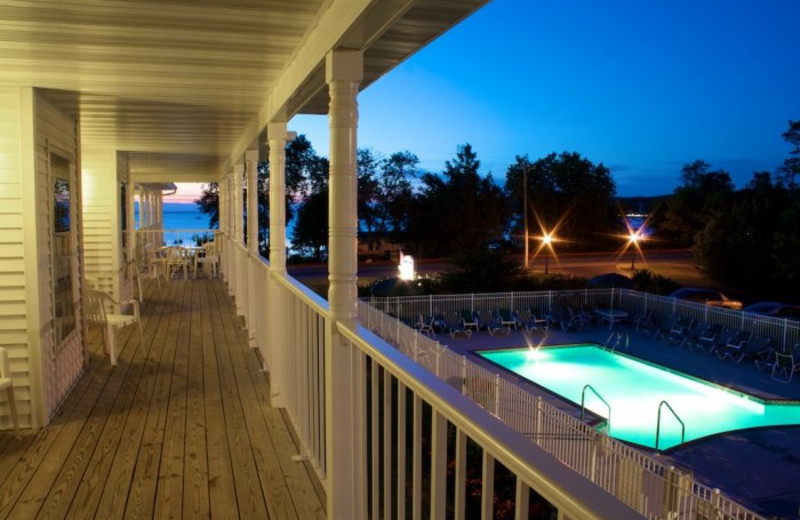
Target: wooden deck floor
(181,428)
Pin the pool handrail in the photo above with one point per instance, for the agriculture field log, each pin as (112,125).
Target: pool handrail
(658,423)
(595,392)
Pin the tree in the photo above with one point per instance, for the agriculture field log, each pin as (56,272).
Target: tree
(209,203)
(458,210)
(385,194)
(791,166)
(311,226)
(753,244)
(303,170)
(703,193)
(565,191)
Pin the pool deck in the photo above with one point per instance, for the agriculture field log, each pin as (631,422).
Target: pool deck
(760,467)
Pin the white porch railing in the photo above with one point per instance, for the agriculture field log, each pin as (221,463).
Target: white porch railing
(399,409)
(644,483)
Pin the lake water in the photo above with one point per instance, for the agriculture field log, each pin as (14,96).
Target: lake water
(181,215)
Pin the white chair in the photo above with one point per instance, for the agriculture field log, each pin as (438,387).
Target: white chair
(208,256)
(7,384)
(177,260)
(97,314)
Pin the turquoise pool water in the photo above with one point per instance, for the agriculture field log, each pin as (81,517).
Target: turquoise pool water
(634,391)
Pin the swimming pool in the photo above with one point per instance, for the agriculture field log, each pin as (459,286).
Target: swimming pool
(634,391)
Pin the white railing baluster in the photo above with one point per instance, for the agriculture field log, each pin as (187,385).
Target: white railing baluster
(402,447)
(416,482)
(487,486)
(461,475)
(438,465)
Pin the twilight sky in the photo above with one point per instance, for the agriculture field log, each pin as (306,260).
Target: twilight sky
(643,87)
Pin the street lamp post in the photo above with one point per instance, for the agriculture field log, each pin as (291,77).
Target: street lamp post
(525,210)
(633,239)
(547,239)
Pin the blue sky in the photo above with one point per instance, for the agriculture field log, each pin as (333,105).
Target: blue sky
(643,87)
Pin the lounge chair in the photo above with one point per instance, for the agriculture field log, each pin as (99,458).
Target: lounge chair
(491,323)
(692,337)
(564,318)
(643,321)
(455,326)
(508,319)
(754,347)
(530,322)
(425,327)
(786,364)
(727,337)
(469,320)
(667,326)
(680,330)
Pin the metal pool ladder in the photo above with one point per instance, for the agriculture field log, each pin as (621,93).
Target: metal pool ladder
(583,408)
(658,424)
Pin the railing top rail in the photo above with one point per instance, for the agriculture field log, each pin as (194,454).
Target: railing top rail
(568,491)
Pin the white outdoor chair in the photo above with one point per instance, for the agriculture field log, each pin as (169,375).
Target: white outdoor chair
(177,261)
(7,384)
(97,314)
(208,256)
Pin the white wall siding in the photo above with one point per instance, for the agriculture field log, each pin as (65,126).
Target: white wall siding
(101,217)
(18,323)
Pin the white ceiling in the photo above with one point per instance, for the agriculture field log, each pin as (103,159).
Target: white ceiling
(187,81)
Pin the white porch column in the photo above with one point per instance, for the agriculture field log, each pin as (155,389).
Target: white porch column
(251,157)
(277,135)
(344,365)
(129,216)
(240,286)
(275,355)
(223,226)
(238,203)
(253,322)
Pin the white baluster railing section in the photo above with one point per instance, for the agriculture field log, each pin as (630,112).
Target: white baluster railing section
(639,480)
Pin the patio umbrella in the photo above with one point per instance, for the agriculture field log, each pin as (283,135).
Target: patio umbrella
(609,280)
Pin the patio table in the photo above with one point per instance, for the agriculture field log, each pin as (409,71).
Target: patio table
(612,316)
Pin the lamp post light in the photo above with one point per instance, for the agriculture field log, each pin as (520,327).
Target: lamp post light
(525,210)
(547,240)
(633,244)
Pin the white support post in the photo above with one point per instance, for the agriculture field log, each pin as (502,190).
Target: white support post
(238,204)
(240,284)
(129,217)
(251,162)
(344,71)
(487,486)
(275,355)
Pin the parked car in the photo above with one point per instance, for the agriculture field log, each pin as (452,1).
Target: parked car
(775,309)
(707,296)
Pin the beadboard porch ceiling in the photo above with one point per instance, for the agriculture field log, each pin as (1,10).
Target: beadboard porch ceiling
(187,81)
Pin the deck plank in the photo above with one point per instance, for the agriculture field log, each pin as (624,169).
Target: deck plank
(306,502)
(273,482)
(195,480)
(248,490)
(182,427)
(88,494)
(170,476)
(221,487)
(113,496)
(141,498)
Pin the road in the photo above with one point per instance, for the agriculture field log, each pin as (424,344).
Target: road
(675,264)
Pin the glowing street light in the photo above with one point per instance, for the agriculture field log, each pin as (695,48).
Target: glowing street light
(633,244)
(547,242)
